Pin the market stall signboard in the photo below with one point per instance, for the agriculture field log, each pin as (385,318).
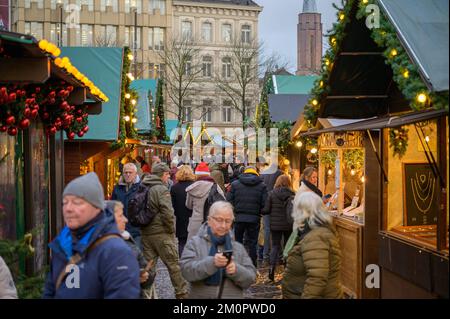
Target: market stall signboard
(420,191)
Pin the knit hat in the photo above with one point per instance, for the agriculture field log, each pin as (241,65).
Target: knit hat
(202,169)
(251,170)
(158,169)
(87,187)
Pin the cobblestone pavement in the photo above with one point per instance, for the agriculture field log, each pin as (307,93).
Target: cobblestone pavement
(263,288)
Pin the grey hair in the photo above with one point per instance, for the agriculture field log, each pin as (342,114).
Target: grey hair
(130,165)
(113,204)
(309,209)
(220,206)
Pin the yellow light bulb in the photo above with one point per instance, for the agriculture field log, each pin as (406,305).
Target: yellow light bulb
(330,172)
(427,139)
(394,52)
(363,179)
(353,172)
(421,98)
(130,57)
(406,74)
(314,102)
(365,1)
(313,150)
(126,118)
(299,144)
(341,16)
(321,84)
(133,102)
(134,120)
(43,44)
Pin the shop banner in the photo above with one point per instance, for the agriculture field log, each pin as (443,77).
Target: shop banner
(4,14)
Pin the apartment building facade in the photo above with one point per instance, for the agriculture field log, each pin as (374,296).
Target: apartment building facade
(100,23)
(212,26)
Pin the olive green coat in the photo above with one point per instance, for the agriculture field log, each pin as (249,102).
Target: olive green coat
(313,267)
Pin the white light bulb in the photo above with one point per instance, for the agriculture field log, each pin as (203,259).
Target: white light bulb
(314,150)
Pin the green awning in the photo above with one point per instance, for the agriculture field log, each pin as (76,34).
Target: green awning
(423,28)
(293,84)
(103,66)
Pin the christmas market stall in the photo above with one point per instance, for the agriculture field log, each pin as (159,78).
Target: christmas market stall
(112,135)
(42,95)
(395,77)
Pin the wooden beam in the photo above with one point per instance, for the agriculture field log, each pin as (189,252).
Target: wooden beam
(77,97)
(30,70)
(94,108)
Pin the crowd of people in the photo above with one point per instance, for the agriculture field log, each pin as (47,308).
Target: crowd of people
(211,224)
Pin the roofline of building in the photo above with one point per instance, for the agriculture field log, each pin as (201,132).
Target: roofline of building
(216,5)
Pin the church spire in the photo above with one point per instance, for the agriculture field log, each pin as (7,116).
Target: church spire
(309,6)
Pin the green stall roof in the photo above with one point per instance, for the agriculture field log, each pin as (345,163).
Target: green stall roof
(293,84)
(103,66)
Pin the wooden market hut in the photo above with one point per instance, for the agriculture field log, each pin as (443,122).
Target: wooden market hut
(34,86)
(395,77)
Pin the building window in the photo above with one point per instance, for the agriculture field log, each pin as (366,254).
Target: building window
(187,110)
(36,29)
(226,33)
(109,3)
(157,5)
(226,67)
(40,3)
(53,3)
(131,4)
(54,33)
(107,36)
(207,32)
(156,71)
(156,39)
(207,66)
(88,3)
(245,68)
(188,66)
(129,37)
(85,37)
(246,34)
(207,111)
(226,112)
(186,30)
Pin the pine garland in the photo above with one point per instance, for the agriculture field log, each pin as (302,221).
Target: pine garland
(398,140)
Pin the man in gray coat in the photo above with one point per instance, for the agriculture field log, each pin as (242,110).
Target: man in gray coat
(206,267)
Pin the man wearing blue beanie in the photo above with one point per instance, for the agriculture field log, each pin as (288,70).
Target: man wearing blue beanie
(89,257)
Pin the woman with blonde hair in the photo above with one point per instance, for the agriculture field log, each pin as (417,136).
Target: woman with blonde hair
(184,177)
(276,207)
(313,264)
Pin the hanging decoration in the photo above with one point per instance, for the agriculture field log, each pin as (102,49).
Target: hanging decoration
(353,160)
(398,140)
(328,158)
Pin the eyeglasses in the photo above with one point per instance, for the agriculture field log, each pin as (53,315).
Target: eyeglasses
(221,220)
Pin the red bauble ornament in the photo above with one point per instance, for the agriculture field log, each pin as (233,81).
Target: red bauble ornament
(27,112)
(85,115)
(85,129)
(12,97)
(52,94)
(64,105)
(79,119)
(38,90)
(10,120)
(24,124)
(52,101)
(71,135)
(45,116)
(80,134)
(70,88)
(12,130)
(36,106)
(51,130)
(3,90)
(34,113)
(3,128)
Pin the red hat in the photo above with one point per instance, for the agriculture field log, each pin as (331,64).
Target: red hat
(202,169)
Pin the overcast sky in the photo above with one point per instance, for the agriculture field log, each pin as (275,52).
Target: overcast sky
(278,25)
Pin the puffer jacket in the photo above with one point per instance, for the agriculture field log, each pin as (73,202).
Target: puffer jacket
(313,267)
(276,206)
(160,201)
(270,175)
(7,288)
(197,194)
(197,266)
(248,195)
(109,271)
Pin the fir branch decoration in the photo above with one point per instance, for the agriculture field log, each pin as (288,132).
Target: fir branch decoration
(353,159)
(398,140)
(328,158)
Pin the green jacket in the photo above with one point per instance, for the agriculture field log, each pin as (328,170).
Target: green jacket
(217,175)
(313,267)
(160,201)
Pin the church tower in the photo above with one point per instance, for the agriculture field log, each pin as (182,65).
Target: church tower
(309,39)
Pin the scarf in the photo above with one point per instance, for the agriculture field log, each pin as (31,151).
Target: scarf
(312,187)
(215,279)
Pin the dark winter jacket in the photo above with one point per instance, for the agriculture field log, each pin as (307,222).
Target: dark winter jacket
(270,178)
(123,195)
(248,195)
(160,201)
(182,213)
(217,175)
(139,255)
(110,270)
(276,205)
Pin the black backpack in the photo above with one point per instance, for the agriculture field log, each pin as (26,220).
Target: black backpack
(139,213)
(213,196)
(289,206)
